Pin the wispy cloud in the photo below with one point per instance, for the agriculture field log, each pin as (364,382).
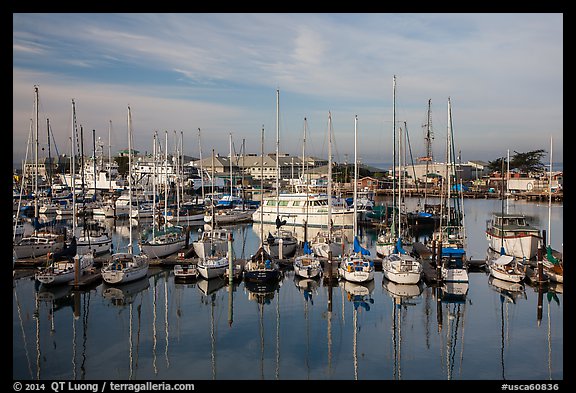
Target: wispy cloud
(504,72)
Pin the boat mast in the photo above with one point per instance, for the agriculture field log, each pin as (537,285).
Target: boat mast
(94,159)
(550,197)
(154,174)
(109,158)
(231,178)
(449,164)
(73,172)
(36,153)
(329,185)
(201,167)
(165,179)
(49,168)
(277,155)
(262,193)
(130,177)
(428,157)
(355,174)
(306,183)
(394,155)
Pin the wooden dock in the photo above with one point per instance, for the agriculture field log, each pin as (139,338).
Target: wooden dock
(90,276)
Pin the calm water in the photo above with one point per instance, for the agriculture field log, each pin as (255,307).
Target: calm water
(156,329)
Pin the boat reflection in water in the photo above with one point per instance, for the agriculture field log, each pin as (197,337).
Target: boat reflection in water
(404,296)
(401,293)
(208,287)
(122,295)
(307,286)
(263,293)
(453,291)
(509,292)
(360,296)
(450,309)
(59,295)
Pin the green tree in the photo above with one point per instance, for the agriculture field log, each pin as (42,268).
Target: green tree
(524,162)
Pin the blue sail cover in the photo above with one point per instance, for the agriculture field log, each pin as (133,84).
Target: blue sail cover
(307,249)
(359,248)
(398,247)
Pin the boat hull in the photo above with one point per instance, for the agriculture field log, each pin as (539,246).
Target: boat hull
(163,249)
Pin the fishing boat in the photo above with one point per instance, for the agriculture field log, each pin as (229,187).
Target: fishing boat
(513,232)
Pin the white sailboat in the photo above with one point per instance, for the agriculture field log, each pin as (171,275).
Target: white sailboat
(169,240)
(40,242)
(452,234)
(331,240)
(355,266)
(124,267)
(399,266)
(282,244)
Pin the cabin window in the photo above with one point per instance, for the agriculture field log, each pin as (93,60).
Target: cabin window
(296,203)
(283,203)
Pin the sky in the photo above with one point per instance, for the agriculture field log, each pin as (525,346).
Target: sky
(212,78)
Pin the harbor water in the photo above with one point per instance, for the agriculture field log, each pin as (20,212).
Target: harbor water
(160,329)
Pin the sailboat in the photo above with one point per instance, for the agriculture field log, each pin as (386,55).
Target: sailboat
(282,244)
(399,266)
(427,217)
(40,242)
(231,214)
(553,262)
(451,233)
(92,237)
(355,266)
(261,268)
(332,240)
(169,240)
(307,265)
(124,267)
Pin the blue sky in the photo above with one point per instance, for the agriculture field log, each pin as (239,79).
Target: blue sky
(220,72)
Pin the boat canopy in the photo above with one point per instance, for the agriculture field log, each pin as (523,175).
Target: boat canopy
(504,260)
